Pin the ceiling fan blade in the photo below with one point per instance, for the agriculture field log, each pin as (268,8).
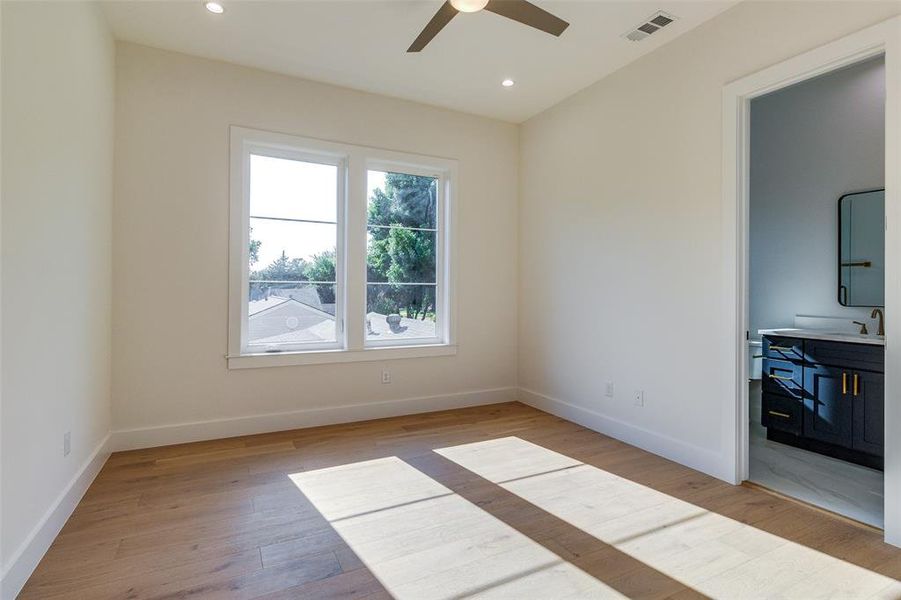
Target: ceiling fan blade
(528,14)
(441,18)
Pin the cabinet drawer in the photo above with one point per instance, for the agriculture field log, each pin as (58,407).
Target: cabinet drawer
(781,412)
(783,377)
(846,356)
(783,348)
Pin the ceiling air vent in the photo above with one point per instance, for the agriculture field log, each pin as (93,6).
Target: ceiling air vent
(654,23)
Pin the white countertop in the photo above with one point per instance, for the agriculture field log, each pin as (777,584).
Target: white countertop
(816,334)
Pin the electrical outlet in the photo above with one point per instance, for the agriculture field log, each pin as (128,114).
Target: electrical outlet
(386,376)
(67,443)
(610,390)
(639,397)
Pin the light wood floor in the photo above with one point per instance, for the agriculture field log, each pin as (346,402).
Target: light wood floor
(501,501)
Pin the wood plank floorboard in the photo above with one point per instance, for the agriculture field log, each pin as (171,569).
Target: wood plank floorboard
(355,511)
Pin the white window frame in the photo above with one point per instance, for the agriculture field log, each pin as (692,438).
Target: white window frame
(353,163)
(339,162)
(441,301)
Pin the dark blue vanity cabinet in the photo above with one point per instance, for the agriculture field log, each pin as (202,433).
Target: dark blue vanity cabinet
(827,405)
(825,396)
(868,420)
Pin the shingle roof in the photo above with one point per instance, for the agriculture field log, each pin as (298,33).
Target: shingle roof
(287,317)
(408,328)
(280,320)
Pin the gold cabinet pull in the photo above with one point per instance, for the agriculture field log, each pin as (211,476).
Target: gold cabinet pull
(844,383)
(782,348)
(855,384)
(776,413)
(781,377)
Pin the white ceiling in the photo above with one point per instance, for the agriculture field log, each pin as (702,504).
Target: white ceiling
(362,44)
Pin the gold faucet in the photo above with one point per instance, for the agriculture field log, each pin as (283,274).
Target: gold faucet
(863,327)
(878,312)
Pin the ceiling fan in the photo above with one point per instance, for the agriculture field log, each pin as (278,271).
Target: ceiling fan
(518,10)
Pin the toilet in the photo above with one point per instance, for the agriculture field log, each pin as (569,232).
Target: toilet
(755,359)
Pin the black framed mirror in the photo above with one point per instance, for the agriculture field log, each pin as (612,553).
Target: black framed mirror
(861,248)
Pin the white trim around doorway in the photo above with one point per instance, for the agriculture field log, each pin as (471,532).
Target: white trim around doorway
(881,39)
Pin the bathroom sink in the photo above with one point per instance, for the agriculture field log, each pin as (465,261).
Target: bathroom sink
(835,336)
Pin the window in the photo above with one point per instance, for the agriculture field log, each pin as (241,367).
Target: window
(293,295)
(401,268)
(338,252)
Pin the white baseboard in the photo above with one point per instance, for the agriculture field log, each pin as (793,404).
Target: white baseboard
(681,452)
(179,433)
(26,558)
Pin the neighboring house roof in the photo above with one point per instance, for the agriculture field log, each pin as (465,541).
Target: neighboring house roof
(256,306)
(408,328)
(279,320)
(305,294)
(286,316)
(317,333)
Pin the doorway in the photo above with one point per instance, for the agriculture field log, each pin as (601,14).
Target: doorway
(880,42)
(816,281)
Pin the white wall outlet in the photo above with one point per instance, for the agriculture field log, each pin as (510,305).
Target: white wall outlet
(386,376)
(639,397)
(67,443)
(610,390)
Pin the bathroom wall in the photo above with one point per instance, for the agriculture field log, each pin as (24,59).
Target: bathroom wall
(810,144)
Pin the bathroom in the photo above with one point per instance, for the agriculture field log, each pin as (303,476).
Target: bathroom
(817,291)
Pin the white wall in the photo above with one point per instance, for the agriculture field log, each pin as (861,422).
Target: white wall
(810,144)
(57,122)
(622,230)
(171,242)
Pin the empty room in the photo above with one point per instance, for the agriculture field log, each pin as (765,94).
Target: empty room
(425,299)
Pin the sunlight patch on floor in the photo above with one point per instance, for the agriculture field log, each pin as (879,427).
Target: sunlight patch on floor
(421,540)
(715,555)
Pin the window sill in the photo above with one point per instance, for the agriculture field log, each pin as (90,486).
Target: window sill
(322,357)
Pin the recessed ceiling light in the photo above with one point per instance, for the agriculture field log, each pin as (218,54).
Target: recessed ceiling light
(508,83)
(215,8)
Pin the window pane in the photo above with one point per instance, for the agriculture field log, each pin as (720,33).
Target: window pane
(399,255)
(292,289)
(290,313)
(400,199)
(293,189)
(290,247)
(398,312)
